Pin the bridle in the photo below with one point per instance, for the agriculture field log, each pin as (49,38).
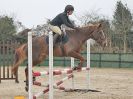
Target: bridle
(99,38)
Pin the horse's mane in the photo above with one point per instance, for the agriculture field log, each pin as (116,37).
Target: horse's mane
(82,29)
(88,25)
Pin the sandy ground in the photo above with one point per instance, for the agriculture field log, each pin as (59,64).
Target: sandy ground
(112,84)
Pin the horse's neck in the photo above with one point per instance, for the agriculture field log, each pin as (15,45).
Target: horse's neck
(80,35)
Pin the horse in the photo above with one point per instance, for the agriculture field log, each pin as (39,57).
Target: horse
(72,48)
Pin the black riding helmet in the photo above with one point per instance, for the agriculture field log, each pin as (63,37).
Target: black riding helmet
(69,8)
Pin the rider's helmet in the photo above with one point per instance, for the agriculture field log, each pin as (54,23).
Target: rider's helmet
(69,8)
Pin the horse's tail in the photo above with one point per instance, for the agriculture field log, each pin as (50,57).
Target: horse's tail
(20,56)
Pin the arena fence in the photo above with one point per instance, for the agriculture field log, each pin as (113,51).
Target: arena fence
(115,60)
(7,49)
(109,60)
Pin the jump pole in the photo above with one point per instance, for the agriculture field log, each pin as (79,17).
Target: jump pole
(51,65)
(72,66)
(88,63)
(30,64)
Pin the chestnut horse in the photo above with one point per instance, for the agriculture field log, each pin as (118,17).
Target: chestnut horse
(72,48)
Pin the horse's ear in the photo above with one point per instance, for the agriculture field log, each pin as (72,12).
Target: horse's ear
(99,25)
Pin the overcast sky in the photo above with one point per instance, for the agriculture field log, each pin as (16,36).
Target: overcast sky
(34,12)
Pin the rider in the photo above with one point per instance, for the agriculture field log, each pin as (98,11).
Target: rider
(62,18)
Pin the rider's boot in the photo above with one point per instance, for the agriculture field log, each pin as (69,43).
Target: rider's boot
(55,39)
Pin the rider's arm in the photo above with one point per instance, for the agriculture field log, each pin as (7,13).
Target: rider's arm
(66,22)
(70,21)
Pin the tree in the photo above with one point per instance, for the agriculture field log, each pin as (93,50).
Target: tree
(122,21)
(88,17)
(94,18)
(7,27)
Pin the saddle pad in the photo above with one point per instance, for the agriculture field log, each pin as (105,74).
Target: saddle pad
(61,39)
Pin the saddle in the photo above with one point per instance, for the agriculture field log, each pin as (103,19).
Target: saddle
(62,39)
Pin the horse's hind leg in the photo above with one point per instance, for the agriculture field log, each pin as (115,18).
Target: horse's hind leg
(77,56)
(26,70)
(26,76)
(20,56)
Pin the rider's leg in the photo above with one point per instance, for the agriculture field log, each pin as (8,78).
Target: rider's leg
(57,31)
(55,39)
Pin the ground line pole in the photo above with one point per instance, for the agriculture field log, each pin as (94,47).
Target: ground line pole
(30,64)
(51,65)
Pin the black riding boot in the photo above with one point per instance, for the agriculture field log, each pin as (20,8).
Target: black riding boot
(55,39)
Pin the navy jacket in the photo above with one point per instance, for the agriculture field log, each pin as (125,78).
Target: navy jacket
(60,19)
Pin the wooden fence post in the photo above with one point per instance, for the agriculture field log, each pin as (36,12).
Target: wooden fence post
(6,60)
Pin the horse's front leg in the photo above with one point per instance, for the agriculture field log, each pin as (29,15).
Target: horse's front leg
(77,56)
(27,81)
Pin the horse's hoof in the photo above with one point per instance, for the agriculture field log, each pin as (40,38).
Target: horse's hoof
(26,88)
(34,79)
(17,81)
(75,68)
(79,68)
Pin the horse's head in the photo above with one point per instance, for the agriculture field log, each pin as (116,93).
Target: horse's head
(98,35)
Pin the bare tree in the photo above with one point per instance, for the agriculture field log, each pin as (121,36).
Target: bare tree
(89,17)
(92,18)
